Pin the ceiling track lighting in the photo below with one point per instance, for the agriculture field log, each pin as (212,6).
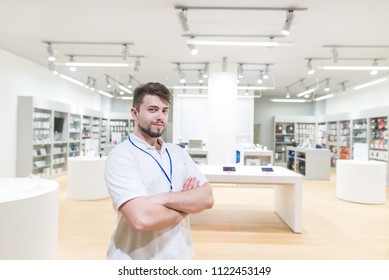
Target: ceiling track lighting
(260,77)
(327,86)
(125,51)
(71,65)
(374,71)
(182,16)
(107,81)
(224,64)
(266,72)
(181,74)
(311,71)
(201,78)
(193,49)
(240,71)
(137,64)
(289,18)
(334,55)
(50,51)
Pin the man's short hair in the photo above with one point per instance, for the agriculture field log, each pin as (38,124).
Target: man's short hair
(151,88)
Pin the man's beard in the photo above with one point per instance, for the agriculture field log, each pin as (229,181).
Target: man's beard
(149,132)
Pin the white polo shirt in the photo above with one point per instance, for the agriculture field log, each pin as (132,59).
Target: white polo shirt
(131,173)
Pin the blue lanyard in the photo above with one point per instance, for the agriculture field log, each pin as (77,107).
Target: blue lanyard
(160,166)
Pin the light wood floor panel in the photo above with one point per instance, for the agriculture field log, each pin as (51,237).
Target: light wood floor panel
(243,225)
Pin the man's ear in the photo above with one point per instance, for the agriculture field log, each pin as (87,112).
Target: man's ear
(134,113)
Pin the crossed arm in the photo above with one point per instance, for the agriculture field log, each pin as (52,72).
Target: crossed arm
(167,209)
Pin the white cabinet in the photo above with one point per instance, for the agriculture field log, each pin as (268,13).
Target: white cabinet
(312,163)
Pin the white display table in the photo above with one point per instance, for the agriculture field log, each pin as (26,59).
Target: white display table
(28,219)
(361,181)
(86,178)
(288,187)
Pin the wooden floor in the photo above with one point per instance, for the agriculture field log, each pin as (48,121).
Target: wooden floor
(243,225)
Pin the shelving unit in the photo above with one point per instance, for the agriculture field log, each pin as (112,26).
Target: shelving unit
(119,126)
(104,129)
(332,141)
(74,135)
(50,132)
(305,134)
(312,163)
(379,139)
(344,140)
(284,136)
(322,134)
(95,130)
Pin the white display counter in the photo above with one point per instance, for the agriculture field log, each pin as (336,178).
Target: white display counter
(288,187)
(28,219)
(86,178)
(361,181)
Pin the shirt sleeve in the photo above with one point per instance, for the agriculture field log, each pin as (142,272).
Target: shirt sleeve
(193,169)
(122,177)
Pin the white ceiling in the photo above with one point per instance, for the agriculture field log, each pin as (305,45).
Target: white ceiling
(154,29)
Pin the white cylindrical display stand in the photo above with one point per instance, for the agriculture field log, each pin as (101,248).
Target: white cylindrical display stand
(28,219)
(361,181)
(86,178)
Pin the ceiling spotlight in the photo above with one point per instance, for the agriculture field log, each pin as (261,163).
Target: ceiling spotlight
(137,64)
(240,71)
(50,52)
(130,81)
(193,49)
(108,82)
(93,84)
(125,52)
(327,87)
(181,74)
(343,87)
(206,69)
(183,20)
(289,18)
(311,71)
(266,72)
(260,77)
(374,71)
(72,68)
(224,64)
(335,55)
(201,79)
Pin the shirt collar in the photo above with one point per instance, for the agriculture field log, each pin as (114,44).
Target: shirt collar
(146,146)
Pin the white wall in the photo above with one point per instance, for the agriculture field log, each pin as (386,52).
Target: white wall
(190,117)
(22,77)
(358,100)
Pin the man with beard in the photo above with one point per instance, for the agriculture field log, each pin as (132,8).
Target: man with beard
(154,185)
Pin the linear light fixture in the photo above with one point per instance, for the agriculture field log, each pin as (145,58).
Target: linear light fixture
(72,80)
(324,97)
(354,68)
(123,88)
(95,64)
(289,100)
(238,43)
(308,91)
(105,93)
(239,88)
(371,83)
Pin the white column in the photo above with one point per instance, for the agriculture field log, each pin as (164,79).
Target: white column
(222,114)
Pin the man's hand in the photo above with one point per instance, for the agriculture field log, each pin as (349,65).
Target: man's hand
(191,183)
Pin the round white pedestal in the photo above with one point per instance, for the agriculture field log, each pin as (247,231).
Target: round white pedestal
(28,219)
(86,178)
(361,181)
